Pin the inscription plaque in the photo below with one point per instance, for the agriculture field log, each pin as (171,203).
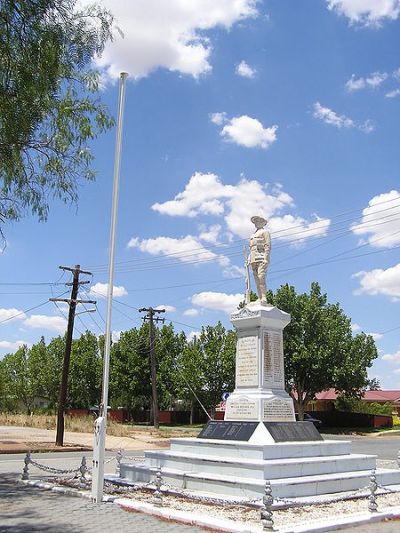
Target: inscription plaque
(242,409)
(293,431)
(247,362)
(226,430)
(277,410)
(273,360)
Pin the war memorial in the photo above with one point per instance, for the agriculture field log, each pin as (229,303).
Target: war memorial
(259,439)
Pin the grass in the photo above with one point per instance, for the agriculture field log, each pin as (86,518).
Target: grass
(84,424)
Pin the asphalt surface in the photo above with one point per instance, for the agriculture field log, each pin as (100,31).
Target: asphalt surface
(386,446)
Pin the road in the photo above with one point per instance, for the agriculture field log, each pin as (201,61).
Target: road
(33,510)
(386,447)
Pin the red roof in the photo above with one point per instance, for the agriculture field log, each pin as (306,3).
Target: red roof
(372,395)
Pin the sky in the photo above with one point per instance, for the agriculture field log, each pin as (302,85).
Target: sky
(233,108)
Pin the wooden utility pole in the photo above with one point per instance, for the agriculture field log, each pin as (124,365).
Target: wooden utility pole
(72,302)
(150,317)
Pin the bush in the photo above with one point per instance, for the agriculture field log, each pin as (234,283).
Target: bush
(354,405)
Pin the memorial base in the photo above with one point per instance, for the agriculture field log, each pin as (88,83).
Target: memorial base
(239,468)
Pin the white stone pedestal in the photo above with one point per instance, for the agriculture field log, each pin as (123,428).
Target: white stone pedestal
(259,393)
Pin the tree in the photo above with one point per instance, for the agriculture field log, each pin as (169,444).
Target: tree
(85,372)
(130,384)
(168,347)
(208,365)
(319,349)
(20,386)
(49,111)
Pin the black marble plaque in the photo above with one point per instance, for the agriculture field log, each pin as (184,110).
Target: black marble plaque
(227,430)
(293,431)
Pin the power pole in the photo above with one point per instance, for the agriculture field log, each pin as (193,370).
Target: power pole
(150,317)
(72,302)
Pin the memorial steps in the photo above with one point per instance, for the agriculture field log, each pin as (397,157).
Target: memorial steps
(240,469)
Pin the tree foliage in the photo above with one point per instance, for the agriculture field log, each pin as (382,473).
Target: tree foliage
(49,109)
(320,350)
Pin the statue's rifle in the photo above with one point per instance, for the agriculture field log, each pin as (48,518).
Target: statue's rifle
(246,266)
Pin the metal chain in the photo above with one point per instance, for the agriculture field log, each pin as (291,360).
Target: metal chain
(52,469)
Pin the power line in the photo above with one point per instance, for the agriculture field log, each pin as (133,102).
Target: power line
(202,250)
(28,310)
(161,263)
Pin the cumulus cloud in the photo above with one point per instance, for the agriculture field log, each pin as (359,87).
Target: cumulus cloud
(11,314)
(372,81)
(355,327)
(237,203)
(191,312)
(186,249)
(210,234)
(395,357)
(380,220)
(193,335)
(12,345)
(380,282)
(169,34)
(339,121)
(375,336)
(51,323)
(167,308)
(245,70)
(393,93)
(217,301)
(99,290)
(366,12)
(245,131)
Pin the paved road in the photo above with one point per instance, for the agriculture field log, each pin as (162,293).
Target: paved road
(385,447)
(25,509)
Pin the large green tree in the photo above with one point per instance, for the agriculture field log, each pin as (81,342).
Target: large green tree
(206,366)
(320,350)
(49,109)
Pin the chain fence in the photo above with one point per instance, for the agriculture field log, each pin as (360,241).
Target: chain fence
(266,503)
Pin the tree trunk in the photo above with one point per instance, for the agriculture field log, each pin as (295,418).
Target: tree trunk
(191,414)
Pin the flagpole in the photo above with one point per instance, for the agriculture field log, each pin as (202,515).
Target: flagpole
(100,427)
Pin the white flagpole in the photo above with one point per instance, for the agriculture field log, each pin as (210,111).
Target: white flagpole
(101,422)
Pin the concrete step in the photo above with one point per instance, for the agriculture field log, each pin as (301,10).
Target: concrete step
(259,468)
(221,484)
(268,451)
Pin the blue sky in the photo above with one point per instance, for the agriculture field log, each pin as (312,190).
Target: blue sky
(233,108)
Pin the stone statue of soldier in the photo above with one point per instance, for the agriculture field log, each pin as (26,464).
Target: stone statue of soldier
(259,253)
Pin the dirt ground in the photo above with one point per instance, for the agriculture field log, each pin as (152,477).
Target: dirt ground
(20,439)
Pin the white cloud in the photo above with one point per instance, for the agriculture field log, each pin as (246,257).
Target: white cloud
(380,282)
(373,80)
(186,249)
(218,118)
(249,132)
(193,335)
(12,345)
(11,314)
(115,335)
(380,220)
(191,312)
(355,327)
(245,70)
(167,308)
(99,290)
(331,117)
(238,203)
(168,34)
(366,12)
(375,336)
(218,301)
(392,357)
(281,228)
(210,234)
(393,94)
(339,121)
(53,323)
